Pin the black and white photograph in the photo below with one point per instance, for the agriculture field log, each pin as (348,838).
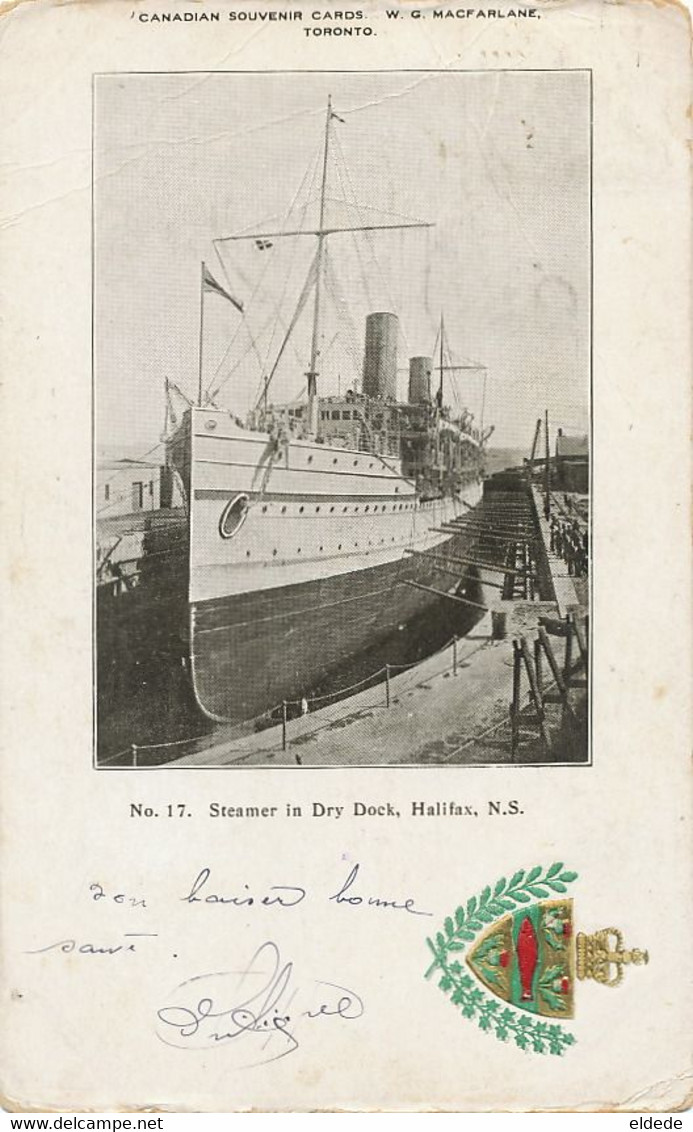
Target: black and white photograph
(346,527)
(342,358)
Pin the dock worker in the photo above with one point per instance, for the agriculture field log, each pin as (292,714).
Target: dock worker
(585,548)
(559,540)
(572,554)
(582,557)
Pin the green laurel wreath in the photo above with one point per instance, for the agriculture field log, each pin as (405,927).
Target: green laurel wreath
(491,1016)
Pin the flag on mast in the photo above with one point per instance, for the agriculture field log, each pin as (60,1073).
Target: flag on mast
(209,283)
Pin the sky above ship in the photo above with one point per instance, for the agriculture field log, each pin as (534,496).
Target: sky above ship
(498,163)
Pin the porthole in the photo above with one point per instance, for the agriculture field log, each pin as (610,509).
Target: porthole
(310,459)
(274,552)
(331,510)
(344,510)
(233,516)
(317,510)
(334,461)
(356,463)
(264,509)
(284,510)
(301,510)
(339,547)
(366,508)
(321,548)
(355,509)
(299,550)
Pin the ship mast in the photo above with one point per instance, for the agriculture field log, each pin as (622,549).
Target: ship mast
(321,232)
(441,366)
(439,395)
(312,373)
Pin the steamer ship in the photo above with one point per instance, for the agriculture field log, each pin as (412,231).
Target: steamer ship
(311,530)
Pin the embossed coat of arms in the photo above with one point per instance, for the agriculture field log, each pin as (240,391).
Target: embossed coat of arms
(517,940)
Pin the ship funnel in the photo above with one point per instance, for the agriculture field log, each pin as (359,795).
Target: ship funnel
(380,361)
(420,370)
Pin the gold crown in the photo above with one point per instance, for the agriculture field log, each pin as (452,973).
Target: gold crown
(602,956)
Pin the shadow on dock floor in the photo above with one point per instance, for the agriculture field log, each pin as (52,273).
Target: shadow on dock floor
(441,713)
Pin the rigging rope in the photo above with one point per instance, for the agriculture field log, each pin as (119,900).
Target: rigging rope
(239,363)
(356,244)
(253,343)
(308,176)
(265,384)
(303,298)
(344,313)
(371,241)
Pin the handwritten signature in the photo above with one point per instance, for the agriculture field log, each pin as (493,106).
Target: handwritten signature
(255,1012)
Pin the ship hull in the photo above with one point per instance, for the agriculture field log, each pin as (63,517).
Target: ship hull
(255,650)
(319,569)
(317,574)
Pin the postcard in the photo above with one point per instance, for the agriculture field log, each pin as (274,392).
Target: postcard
(346,654)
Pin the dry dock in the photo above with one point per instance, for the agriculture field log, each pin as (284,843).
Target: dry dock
(513,691)
(436,715)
